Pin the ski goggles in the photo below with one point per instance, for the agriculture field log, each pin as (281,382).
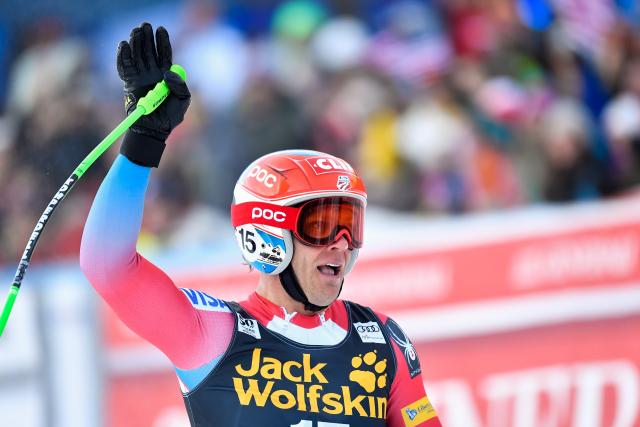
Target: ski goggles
(317,222)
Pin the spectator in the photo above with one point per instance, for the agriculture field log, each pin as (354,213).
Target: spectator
(573,172)
(444,107)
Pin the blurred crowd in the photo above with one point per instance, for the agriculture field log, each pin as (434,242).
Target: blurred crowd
(445,106)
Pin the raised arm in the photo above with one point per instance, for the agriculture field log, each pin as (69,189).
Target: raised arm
(141,294)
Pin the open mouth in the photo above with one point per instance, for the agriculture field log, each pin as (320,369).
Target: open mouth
(330,269)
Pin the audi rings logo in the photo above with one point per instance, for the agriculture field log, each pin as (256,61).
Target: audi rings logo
(363,327)
(370,332)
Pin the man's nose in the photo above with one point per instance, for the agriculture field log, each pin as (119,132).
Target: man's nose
(341,242)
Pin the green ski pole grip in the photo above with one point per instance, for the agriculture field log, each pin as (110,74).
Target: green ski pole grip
(160,92)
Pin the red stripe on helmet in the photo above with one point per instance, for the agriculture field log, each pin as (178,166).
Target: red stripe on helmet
(265,214)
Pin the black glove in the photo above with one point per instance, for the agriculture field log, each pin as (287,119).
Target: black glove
(140,67)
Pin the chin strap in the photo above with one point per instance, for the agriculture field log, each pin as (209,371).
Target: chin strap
(291,285)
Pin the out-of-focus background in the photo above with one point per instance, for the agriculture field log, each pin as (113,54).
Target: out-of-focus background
(499,140)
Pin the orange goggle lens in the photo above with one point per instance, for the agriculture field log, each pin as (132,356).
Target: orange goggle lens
(321,221)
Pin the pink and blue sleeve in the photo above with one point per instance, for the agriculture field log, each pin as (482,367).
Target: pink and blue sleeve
(193,336)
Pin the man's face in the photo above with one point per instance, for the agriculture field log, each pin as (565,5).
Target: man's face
(320,270)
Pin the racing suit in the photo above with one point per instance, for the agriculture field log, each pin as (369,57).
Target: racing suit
(251,363)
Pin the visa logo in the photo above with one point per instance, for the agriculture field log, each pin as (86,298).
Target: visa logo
(205,302)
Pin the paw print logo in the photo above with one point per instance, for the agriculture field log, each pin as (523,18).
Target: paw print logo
(368,371)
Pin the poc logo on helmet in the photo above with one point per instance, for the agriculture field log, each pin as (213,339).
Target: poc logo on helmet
(263,176)
(322,165)
(268,214)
